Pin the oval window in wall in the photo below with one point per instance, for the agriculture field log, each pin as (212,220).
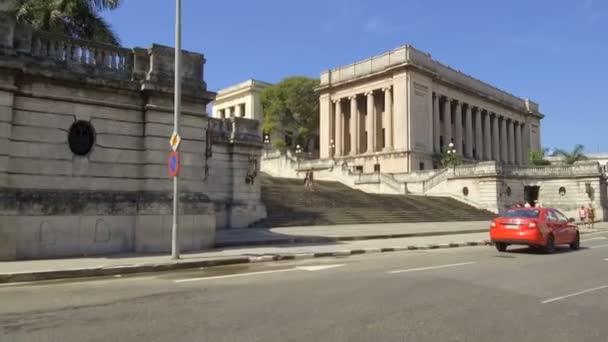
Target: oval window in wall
(465,191)
(562,191)
(81,137)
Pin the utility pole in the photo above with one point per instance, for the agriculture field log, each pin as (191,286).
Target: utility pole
(177,109)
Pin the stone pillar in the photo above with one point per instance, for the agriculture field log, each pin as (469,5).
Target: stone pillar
(237,111)
(511,138)
(447,122)
(338,134)
(388,115)
(468,133)
(522,145)
(436,123)
(504,151)
(516,143)
(354,126)
(479,143)
(487,137)
(371,122)
(458,127)
(495,138)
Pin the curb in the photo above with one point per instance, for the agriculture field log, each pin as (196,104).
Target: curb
(223,261)
(172,266)
(317,239)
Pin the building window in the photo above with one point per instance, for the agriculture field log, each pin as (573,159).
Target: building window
(377,168)
(421,166)
(243,114)
(81,137)
(562,191)
(359,168)
(465,191)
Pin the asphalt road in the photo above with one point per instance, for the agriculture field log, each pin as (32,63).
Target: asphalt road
(461,294)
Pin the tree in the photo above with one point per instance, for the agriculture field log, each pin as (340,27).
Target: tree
(574,156)
(448,158)
(292,105)
(537,157)
(75,18)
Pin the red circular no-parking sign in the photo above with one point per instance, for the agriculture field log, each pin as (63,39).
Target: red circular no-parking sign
(173,164)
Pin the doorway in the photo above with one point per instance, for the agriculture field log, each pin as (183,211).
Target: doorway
(531,194)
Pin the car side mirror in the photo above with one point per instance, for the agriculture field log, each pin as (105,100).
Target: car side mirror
(571,220)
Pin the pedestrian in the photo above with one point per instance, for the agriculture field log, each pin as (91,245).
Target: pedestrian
(582,214)
(591,215)
(308,179)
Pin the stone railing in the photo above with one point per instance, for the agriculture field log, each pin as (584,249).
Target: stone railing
(390,182)
(434,180)
(366,178)
(60,48)
(411,55)
(579,169)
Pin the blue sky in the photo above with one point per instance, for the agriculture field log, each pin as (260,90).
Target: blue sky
(554,52)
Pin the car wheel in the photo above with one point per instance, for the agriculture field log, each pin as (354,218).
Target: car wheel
(576,244)
(550,246)
(501,246)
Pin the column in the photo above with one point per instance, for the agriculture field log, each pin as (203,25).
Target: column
(468,133)
(479,144)
(495,138)
(458,127)
(338,135)
(504,151)
(371,123)
(237,111)
(516,143)
(354,126)
(388,115)
(436,123)
(447,122)
(522,146)
(487,137)
(511,137)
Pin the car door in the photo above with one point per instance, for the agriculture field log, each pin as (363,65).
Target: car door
(554,226)
(568,229)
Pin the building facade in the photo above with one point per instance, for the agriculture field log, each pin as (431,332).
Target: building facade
(84,144)
(393,112)
(242,100)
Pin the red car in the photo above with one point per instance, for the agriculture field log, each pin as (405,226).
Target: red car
(535,227)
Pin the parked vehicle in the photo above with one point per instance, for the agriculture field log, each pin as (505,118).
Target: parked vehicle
(535,227)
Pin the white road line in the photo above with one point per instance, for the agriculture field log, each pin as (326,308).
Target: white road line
(432,267)
(232,275)
(595,238)
(599,246)
(574,294)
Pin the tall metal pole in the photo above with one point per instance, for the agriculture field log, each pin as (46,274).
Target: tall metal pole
(177,104)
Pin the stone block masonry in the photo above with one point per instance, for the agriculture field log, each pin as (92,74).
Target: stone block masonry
(84,142)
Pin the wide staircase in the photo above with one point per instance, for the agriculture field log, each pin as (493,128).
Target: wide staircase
(288,203)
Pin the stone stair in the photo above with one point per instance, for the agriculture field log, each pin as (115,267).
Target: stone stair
(289,204)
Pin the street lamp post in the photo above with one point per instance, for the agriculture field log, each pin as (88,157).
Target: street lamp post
(452,155)
(298,152)
(332,146)
(267,143)
(177,109)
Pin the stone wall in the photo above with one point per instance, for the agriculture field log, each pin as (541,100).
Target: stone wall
(118,196)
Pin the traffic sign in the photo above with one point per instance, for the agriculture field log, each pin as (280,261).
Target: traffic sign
(173,164)
(175,140)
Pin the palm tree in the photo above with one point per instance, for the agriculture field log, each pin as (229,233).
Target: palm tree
(75,18)
(574,156)
(537,157)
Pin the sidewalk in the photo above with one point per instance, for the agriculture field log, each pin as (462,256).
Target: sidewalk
(35,270)
(316,234)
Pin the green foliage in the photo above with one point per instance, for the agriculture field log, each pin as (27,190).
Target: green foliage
(292,105)
(446,159)
(537,157)
(75,18)
(279,144)
(574,156)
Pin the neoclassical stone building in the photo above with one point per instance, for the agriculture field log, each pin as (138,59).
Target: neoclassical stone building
(241,100)
(392,112)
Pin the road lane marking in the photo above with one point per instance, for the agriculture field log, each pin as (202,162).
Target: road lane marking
(432,267)
(299,268)
(599,246)
(318,268)
(574,294)
(595,238)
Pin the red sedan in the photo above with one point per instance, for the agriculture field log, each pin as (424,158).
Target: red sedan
(536,227)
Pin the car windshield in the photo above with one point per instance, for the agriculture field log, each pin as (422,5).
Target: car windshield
(532,213)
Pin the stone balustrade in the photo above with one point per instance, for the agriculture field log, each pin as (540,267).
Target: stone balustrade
(59,48)
(412,56)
